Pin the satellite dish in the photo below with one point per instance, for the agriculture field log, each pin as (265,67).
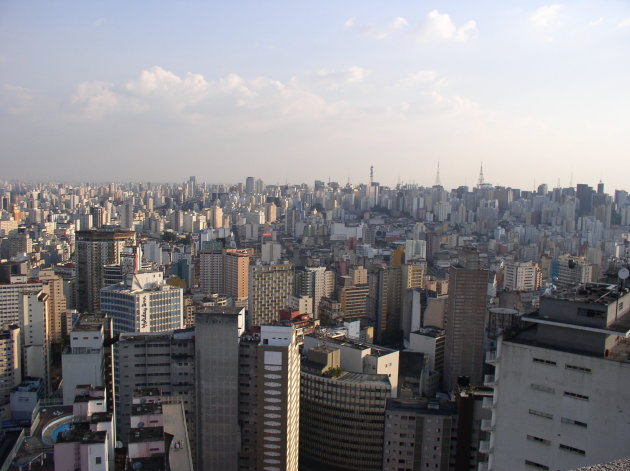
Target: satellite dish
(623,273)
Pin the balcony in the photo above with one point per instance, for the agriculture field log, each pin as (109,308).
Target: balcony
(487,403)
(484,446)
(492,358)
(489,381)
(486,425)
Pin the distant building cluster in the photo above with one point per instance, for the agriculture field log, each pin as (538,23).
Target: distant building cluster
(206,327)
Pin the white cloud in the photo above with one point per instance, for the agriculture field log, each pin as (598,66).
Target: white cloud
(99,21)
(597,22)
(95,98)
(439,26)
(16,100)
(547,16)
(624,24)
(377,32)
(353,74)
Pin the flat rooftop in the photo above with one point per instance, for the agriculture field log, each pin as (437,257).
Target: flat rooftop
(597,293)
(223,310)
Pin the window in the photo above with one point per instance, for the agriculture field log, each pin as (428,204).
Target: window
(544,362)
(98,460)
(576,395)
(577,368)
(540,387)
(538,413)
(538,440)
(564,420)
(571,449)
(533,464)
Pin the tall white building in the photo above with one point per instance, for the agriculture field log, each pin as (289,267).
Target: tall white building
(562,387)
(144,303)
(522,276)
(35,338)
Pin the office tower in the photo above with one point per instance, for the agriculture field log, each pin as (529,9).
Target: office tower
(216,219)
(249,185)
(571,271)
(53,286)
(278,399)
(270,287)
(378,302)
(10,293)
(354,301)
(337,431)
(522,276)
(412,279)
(35,340)
(465,320)
(360,357)
(155,360)
(418,435)
(584,195)
(93,250)
(562,386)
(20,242)
(225,272)
(10,366)
(429,341)
(217,333)
(316,282)
(88,358)
(144,303)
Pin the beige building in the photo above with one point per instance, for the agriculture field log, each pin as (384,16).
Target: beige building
(270,287)
(53,286)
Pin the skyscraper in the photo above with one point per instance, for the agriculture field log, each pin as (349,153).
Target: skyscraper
(144,303)
(93,250)
(217,334)
(465,320)
(270,287)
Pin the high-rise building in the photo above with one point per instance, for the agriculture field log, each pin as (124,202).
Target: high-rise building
(10,293)
(35,339)
(316,282)
(465,321)
(156,360)
(53,286)
(144,303)
(93,250)
(270,287)
(562,386)
(88,358)
(249,185)
(337,431)
(225,272)
(522,276)
(10,366)
(217,333)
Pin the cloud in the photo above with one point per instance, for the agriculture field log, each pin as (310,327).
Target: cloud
(377,32)
(99,21)
(439,26)
(353,74)
(624,24)
(597,22)
(16,100)
(95,98)
(547,16)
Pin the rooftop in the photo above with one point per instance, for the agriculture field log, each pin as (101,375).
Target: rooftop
(147,434)
(598,293)
(224,310)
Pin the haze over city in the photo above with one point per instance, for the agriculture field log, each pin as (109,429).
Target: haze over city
(291,92)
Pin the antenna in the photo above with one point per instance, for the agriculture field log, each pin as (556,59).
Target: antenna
(437,176)
(480,182)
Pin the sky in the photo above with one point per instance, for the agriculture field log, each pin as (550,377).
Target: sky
(294,91)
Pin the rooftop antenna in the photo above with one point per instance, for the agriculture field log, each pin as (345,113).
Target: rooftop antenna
(437,176)
(480,182)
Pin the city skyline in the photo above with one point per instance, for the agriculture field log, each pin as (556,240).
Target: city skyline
(284,90)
